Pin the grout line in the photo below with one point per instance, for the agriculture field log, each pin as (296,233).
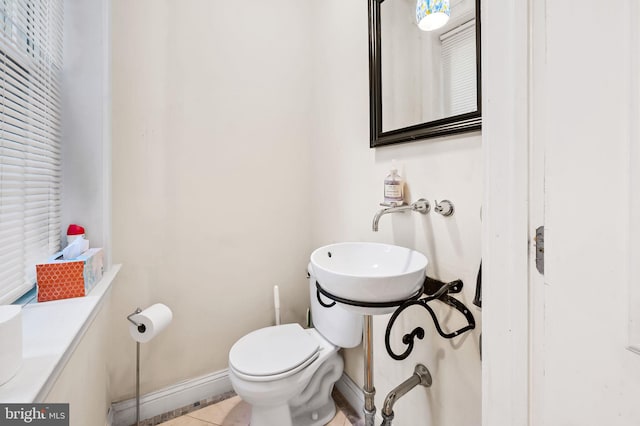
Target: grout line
(351,417)
(186,410)
(203,421)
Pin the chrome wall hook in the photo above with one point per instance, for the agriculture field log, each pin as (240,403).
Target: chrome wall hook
(444,207)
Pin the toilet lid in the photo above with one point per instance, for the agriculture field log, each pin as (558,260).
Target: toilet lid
(273,350)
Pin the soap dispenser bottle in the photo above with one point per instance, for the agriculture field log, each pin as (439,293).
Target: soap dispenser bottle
(393,187)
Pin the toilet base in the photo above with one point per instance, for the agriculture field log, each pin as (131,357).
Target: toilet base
(314,405)
(269,416)
(317,417)
(281,416)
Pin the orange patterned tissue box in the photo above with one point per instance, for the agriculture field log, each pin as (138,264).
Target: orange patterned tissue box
(63,279)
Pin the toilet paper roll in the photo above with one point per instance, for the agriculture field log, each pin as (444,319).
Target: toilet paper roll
(152,321)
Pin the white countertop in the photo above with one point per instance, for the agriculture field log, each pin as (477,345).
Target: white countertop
(51,332)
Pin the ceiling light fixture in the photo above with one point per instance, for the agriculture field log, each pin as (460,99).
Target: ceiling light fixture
(432,14)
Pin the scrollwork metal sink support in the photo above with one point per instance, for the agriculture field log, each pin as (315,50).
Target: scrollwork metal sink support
(435,290)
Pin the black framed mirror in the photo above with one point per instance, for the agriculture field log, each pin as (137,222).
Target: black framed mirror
(423,84)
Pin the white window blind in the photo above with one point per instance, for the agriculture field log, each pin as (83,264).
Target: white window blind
(30,138)
(459,69)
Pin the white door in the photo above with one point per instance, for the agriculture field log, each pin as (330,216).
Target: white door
(560,132)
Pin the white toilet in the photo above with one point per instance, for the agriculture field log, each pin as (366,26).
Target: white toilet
(287,373)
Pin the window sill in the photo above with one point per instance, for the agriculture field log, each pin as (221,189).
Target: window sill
(51,332)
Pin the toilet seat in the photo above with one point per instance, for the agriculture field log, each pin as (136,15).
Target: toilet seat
(273,353)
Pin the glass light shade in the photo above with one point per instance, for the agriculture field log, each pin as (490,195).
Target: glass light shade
(432,14)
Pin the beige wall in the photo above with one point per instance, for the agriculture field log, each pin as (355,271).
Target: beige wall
(240,142)
(84,381)
(347,193)
(211,129)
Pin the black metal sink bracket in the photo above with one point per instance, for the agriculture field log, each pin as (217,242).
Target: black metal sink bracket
(361,304)
(434,290)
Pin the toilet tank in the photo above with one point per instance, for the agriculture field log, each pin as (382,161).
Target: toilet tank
(339,326)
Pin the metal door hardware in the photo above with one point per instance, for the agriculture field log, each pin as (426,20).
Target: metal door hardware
(540,249)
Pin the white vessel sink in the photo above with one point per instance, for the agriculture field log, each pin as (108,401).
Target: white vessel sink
(369,273)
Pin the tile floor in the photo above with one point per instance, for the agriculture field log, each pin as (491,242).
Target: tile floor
(235,412)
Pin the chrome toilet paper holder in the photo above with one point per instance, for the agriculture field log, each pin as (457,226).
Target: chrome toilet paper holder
(145,329)
(141,327)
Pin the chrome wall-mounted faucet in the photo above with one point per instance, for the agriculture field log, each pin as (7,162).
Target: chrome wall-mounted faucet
(421,206)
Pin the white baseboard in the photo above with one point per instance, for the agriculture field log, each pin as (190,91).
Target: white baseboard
(171,398)
(351,392)
(189,391)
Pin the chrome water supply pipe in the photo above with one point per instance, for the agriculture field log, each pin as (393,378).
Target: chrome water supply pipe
(369,389)
(421,376)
